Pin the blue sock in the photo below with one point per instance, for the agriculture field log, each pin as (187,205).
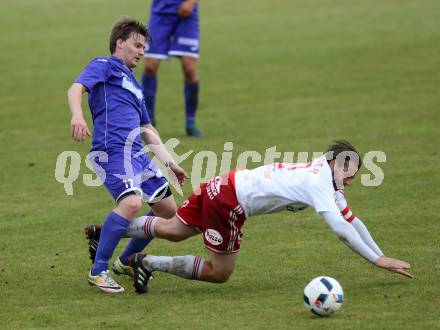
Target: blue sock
(135,245)
(113,229)
(149,88)
(191,92)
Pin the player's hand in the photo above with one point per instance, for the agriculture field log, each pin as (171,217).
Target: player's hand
(79,129)
(186,8)
(179,173)
(394,265)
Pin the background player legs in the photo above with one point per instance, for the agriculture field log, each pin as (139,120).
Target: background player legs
(191,94)
(149,85)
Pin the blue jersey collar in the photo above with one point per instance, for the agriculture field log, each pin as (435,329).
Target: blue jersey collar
(117,59)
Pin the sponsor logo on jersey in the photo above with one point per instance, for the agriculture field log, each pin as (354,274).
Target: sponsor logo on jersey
(213,237)
(213,187)
(128,85)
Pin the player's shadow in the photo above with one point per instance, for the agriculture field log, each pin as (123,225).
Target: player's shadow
(202,290)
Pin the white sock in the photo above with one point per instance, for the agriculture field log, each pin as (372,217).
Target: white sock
(142,227)
(190,267)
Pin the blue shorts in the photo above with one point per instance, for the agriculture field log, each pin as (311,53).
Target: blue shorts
(173,36)
(136,175)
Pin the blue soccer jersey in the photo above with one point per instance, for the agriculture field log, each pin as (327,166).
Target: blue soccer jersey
(116,102)
(118,110)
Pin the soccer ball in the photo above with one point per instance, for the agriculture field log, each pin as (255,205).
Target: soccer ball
(323,295)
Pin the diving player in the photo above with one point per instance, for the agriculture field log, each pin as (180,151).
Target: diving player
(224,203)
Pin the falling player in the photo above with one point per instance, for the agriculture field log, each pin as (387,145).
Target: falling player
(222,205)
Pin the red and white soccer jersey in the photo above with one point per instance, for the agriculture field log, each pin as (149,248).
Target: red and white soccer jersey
(222,205)
(280,186)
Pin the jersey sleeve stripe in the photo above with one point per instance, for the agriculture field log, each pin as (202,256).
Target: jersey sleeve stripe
(345,211)
(351,218)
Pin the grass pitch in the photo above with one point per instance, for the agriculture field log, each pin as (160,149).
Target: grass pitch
(290,74)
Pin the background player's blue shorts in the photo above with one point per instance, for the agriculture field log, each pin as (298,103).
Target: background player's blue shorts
(173,36)
(144,178)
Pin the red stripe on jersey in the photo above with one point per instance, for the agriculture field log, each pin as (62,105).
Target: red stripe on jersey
(345,211)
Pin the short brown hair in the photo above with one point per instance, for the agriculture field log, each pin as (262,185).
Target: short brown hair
(123,28)
(345,148)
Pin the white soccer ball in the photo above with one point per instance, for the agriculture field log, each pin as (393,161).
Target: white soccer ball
(323,295)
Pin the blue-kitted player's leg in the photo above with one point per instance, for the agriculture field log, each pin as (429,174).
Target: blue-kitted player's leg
(149,87)
(185,45)
(127,193)
(120,265)
(133,246)
(191,94)
(113,229)
(160,27)
(154,189)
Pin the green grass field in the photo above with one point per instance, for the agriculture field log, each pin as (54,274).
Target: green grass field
(290,74)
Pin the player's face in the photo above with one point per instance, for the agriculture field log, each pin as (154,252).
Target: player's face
(344,175)
(350,171)
(132,49)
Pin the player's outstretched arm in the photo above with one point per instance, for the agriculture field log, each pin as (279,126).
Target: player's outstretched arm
(349,216)
(390,264)
(78,126)
(365,235)
(350,237)
(152,139)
